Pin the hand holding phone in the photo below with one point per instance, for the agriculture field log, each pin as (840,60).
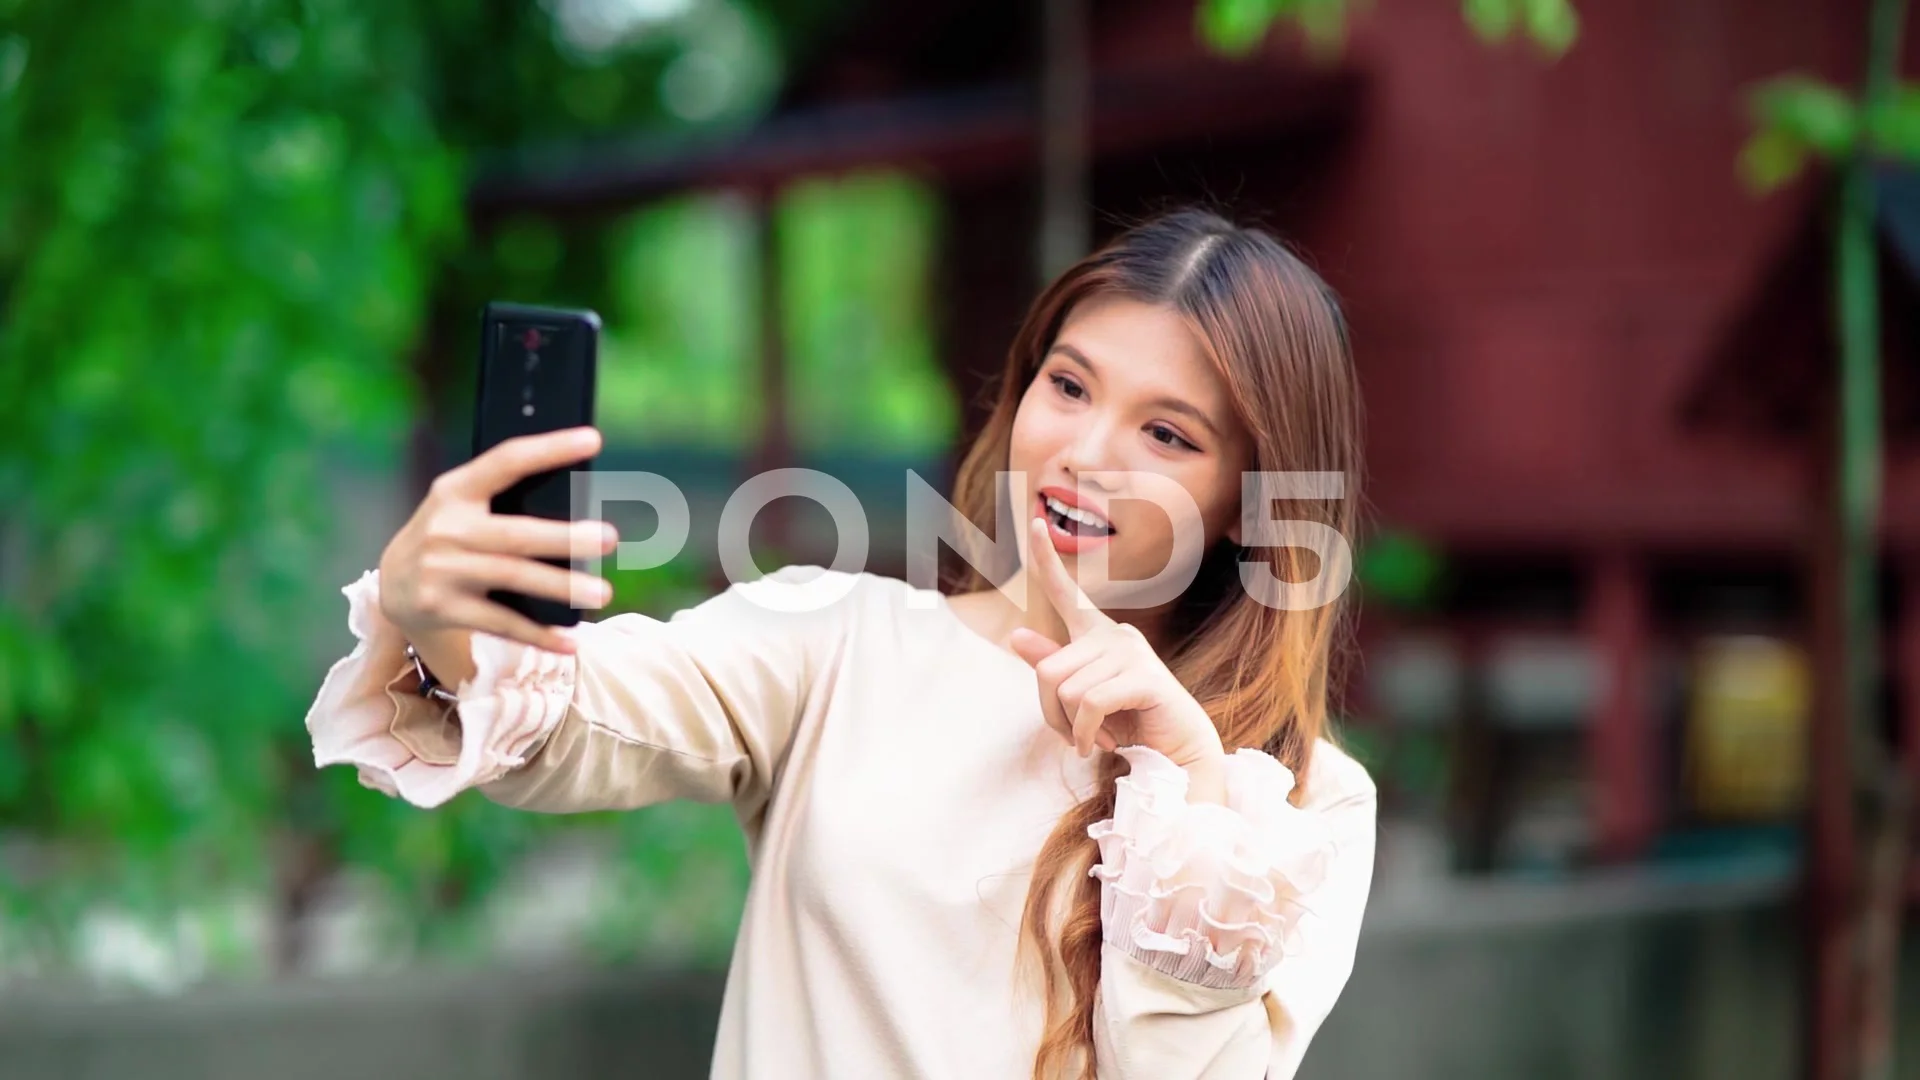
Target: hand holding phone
(493,547)
(444,567)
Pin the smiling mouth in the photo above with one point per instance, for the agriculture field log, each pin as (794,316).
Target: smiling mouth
(1073,520)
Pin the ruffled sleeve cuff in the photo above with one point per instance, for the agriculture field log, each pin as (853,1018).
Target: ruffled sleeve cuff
(1208,894)
(369,713)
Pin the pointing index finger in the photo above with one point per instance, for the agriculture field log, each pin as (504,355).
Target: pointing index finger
(1076,610)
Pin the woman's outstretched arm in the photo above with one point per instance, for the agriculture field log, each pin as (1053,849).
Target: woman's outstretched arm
(700,706)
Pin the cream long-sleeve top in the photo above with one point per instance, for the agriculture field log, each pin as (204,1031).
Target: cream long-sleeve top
(895,780)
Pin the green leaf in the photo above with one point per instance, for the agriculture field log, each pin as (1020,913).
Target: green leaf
(1236,27)
(1819,116)
(1400,569)
(1895,127)
(1492,20)
(1771,158)
(1552,24)
(1325,24)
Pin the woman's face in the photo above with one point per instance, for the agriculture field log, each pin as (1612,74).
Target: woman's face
(1125,413)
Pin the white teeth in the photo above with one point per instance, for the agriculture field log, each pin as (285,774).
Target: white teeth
(1084,517)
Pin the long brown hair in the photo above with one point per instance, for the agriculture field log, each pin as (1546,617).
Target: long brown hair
(1275,333)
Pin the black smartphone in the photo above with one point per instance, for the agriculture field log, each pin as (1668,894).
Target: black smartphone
(537,367)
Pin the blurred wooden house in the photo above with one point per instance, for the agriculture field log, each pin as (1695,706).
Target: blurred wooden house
(1592,359)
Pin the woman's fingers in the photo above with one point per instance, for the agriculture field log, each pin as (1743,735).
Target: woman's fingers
(1032,646)
(1041,653)
(1098,703)
(517,458)
(480,571)
(1060,670)
(452,547)
(1074,688)
(535,537)
(485,616)
(1076,610)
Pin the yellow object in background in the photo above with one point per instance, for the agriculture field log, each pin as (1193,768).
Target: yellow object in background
(1747,728)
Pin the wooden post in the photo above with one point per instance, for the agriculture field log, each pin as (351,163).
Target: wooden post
(1906,666)
(434,372)
(1888,845)
(1857,928)
(1831,855)
(1474,805)
(774,449)
(1621,741)
(1064,77)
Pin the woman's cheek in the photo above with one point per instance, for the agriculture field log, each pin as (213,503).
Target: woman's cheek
(1146,548)
(1156,529)
(1027,443)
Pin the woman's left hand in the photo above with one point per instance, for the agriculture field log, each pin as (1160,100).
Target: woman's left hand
(1106,686)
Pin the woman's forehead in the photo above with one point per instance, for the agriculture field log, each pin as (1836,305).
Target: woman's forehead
(1132,344)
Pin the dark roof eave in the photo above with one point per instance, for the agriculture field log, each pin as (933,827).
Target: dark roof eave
(1770,368)
(957,137)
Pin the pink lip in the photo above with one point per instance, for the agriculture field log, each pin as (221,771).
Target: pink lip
(1064,542)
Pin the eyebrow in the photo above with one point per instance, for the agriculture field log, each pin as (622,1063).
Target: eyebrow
(1171,404)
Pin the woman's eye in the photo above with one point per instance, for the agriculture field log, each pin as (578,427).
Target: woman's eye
(1067,386)
(1166,436)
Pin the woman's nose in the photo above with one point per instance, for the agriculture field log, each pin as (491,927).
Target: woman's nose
(1092,452)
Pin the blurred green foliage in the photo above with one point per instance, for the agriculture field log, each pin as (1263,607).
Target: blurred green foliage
(680,356)
(217,228)
(1238,26)
(857,261)
(1799,119)
(223,226)
(1400,570)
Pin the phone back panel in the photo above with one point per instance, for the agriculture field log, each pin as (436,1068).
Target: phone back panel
(537,373)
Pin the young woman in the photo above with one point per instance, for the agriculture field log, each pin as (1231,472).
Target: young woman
(998,832)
